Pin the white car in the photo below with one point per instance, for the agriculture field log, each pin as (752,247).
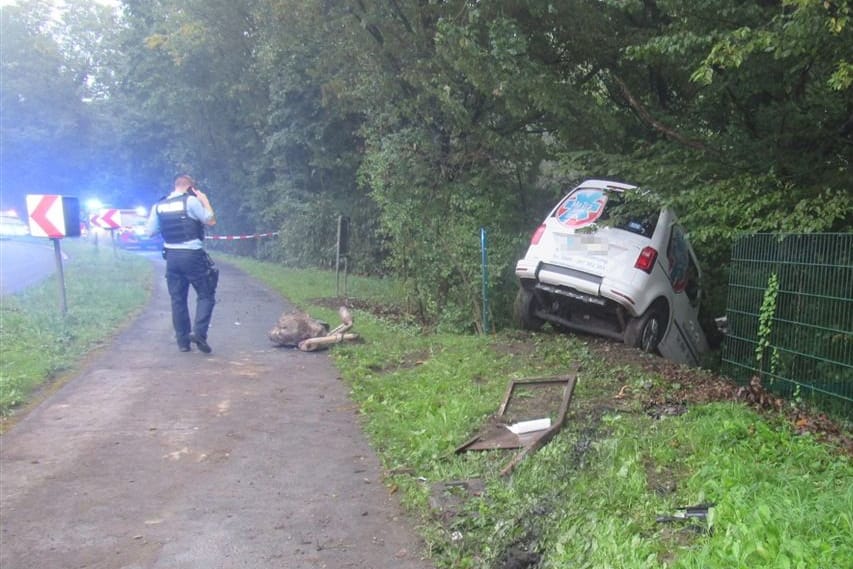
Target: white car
(601,265)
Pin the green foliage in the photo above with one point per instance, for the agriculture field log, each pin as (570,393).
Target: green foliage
(37,342)
(195,100)
(54,130)
(425,121)
(766,315)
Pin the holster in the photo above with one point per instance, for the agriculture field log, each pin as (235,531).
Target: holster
(212,273)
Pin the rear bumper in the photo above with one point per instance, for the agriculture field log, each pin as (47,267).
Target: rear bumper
(573,299)
(525,270)
(559,276)
(587,287)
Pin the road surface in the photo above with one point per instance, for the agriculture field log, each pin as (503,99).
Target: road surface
(24,262)
(251,457)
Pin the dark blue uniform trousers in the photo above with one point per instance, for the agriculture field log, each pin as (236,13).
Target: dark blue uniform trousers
(185,267)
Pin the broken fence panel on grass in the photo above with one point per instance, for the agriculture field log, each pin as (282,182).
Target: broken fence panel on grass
(512,413)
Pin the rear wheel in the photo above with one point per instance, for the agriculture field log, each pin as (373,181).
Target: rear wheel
(526,306)
(646,331)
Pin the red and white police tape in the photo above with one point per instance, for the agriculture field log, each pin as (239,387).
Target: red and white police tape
(235,237)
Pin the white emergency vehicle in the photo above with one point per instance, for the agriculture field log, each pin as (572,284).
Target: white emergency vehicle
(601,265)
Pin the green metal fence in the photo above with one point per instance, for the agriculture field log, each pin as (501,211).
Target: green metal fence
(790,314)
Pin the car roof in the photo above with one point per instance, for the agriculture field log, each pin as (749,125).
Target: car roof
(606,185)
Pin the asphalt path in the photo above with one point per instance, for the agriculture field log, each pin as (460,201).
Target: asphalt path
(249,457)
(24,262)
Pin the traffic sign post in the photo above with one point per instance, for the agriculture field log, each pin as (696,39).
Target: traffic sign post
(57,252)
(107,219)
(54,217)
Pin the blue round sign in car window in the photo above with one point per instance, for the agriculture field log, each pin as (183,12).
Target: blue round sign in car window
(581,208)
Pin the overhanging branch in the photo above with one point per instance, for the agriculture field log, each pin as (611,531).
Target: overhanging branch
(647,118)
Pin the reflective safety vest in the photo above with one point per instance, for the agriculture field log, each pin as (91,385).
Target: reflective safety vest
(176,225)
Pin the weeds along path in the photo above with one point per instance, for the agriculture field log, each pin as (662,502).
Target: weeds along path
(249,457)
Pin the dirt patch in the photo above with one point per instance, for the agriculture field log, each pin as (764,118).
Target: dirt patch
(661,481)
(513,349)
(534,401)
(518,557)
(677,538)
(447,499)
(684,386)
(514,346)
(408,360)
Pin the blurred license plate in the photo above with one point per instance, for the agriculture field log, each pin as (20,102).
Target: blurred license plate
(585,244)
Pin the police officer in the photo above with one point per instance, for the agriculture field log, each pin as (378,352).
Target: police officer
(180,218)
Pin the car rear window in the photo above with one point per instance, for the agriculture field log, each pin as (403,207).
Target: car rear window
(583,207)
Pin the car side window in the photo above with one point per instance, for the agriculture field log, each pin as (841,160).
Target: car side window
(693,288)
(679,259)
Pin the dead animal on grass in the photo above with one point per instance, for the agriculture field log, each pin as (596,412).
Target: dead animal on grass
(294,327)
(308,334)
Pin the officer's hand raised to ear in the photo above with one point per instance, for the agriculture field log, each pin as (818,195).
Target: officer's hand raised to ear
(202,197)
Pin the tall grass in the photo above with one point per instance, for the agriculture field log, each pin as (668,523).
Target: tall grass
(103,289)
(300,286)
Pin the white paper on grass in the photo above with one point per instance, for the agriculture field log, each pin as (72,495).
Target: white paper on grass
(530,426)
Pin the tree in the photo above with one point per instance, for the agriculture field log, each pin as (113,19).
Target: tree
(48,128)
(745,107)
(425,121)
(193,101)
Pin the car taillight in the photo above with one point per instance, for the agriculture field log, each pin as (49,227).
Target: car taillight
(537,235)
(646,260)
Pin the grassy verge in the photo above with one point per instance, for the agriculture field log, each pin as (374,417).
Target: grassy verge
(37,343)
(592,496)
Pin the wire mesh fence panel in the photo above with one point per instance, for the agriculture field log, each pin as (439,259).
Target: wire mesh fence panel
(790,314)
